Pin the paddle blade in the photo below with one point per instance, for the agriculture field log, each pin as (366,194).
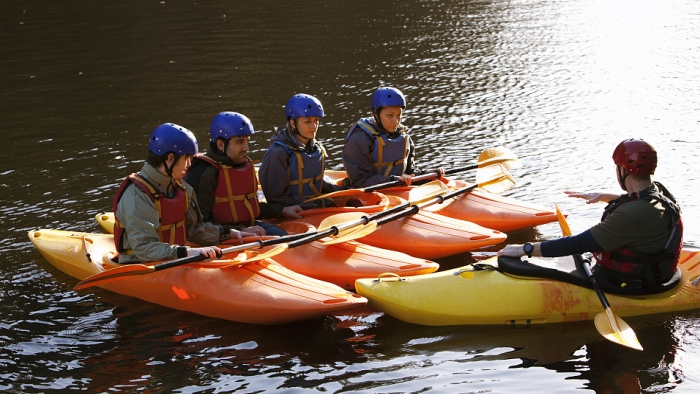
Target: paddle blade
(341,219)
(114,274)
(616,330)
(427,191)
(354,234)
(494,179)
(563,224)
(498,155)
(265,255)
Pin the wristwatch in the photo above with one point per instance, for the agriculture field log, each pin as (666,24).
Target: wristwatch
(528,248)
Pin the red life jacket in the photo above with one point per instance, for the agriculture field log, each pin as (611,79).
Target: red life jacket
(235,194)
(655,268)
(171,212)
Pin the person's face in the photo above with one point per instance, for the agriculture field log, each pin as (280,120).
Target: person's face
(237,148)
(181,166)
(307,126)
(390,118)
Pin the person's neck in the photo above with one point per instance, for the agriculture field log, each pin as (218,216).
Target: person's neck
(635,186)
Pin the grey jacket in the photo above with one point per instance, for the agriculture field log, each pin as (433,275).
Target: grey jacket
(139,216)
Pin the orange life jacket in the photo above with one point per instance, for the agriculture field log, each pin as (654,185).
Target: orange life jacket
(171,212)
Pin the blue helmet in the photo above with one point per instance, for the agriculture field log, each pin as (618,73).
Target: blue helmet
(303,105)
(170,137)
(388,97)
(228,124)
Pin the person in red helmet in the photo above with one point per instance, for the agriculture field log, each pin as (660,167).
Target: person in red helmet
(638,241)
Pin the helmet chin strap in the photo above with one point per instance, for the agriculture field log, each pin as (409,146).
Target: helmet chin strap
(169,171)
(621,177)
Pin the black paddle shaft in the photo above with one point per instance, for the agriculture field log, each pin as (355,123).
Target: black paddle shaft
(415,208)
(420,178)
(593,280)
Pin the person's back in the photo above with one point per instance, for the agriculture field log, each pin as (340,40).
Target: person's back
(637,244)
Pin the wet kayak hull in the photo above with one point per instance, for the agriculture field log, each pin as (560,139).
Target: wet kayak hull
(466,296)
(260,292)
(340,264)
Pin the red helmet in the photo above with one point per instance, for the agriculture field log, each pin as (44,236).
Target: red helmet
(636,156)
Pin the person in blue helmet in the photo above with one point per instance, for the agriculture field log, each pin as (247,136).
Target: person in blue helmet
(156,212)
(226,184)
(293,166)
(379,149)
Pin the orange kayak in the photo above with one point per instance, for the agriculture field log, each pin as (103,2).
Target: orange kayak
(424,235)
(259,292)
(481,207)
(340,264)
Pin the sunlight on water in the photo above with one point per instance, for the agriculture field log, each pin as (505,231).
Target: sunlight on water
(558,83)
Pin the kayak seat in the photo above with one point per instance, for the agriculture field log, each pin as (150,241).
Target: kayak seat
(567,272)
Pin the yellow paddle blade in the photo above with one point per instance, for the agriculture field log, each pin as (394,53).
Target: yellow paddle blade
(427,191)
(563,224)
(354,234)
(494,179)
(499,155)
(622,334)
(114,274)
(277,249)
(341,218)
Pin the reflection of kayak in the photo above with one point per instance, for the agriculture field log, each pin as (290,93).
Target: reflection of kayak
(424,235)
(340,264)
(260,292)
(471,296)
(481,207)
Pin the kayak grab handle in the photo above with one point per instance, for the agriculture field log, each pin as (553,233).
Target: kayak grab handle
(389,277)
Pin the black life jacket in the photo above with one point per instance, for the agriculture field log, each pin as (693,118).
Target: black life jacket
(655,268)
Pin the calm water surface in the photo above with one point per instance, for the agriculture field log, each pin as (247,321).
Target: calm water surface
(558,82)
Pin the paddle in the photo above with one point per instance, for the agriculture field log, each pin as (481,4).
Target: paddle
(488,157)
(609,325)
(410,208)
(141,269)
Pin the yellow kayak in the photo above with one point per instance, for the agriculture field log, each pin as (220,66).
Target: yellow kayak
(259,292)
(470,295)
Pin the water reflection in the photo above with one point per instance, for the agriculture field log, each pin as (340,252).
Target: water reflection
(559,83)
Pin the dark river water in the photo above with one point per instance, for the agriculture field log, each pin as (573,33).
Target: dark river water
(560,83)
